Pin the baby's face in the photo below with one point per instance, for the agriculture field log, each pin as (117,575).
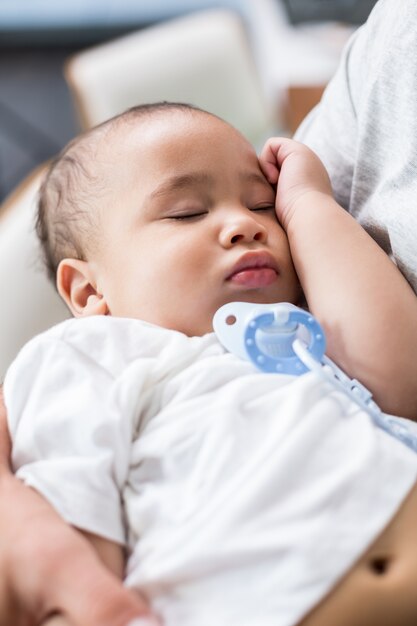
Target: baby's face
(189,225)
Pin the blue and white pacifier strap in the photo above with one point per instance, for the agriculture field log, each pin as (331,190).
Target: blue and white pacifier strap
(283,338)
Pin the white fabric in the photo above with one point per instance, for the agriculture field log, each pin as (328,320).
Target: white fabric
(365,130)
(246,495)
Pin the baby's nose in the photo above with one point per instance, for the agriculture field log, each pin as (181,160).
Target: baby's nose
(243,230)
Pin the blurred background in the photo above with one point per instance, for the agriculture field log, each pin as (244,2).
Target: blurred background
(66,65)
(59,74)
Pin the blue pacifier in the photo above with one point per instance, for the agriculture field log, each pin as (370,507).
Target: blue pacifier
(265,334)
(284,339)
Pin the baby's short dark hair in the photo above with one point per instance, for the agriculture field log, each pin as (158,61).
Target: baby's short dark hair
(66,219)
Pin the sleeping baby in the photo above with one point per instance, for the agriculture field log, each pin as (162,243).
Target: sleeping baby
(227,495)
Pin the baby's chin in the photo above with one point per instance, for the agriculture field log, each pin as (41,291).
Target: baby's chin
(189,327)
(197,325)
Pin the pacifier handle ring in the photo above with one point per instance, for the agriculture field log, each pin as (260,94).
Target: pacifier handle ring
(290,364)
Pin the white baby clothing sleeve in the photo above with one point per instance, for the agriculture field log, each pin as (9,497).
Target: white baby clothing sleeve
(70,440)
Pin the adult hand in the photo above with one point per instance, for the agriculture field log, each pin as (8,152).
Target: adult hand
(47,567)
(296,171)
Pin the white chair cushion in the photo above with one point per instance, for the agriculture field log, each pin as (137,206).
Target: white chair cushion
(203,58)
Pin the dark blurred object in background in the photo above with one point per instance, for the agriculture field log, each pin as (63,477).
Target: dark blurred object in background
(44,23)
(349,11)
(36,112)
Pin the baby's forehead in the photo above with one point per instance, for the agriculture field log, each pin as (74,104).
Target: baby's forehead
(175,125)
(133,148)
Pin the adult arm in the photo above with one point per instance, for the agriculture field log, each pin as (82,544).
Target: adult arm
(112,556)
(46,566)
(346,278)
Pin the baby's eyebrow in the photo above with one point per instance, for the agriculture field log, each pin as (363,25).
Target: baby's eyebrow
(181,182)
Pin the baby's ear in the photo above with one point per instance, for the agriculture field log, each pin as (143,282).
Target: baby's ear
(76,284)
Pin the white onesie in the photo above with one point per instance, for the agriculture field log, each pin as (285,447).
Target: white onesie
(243,497)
